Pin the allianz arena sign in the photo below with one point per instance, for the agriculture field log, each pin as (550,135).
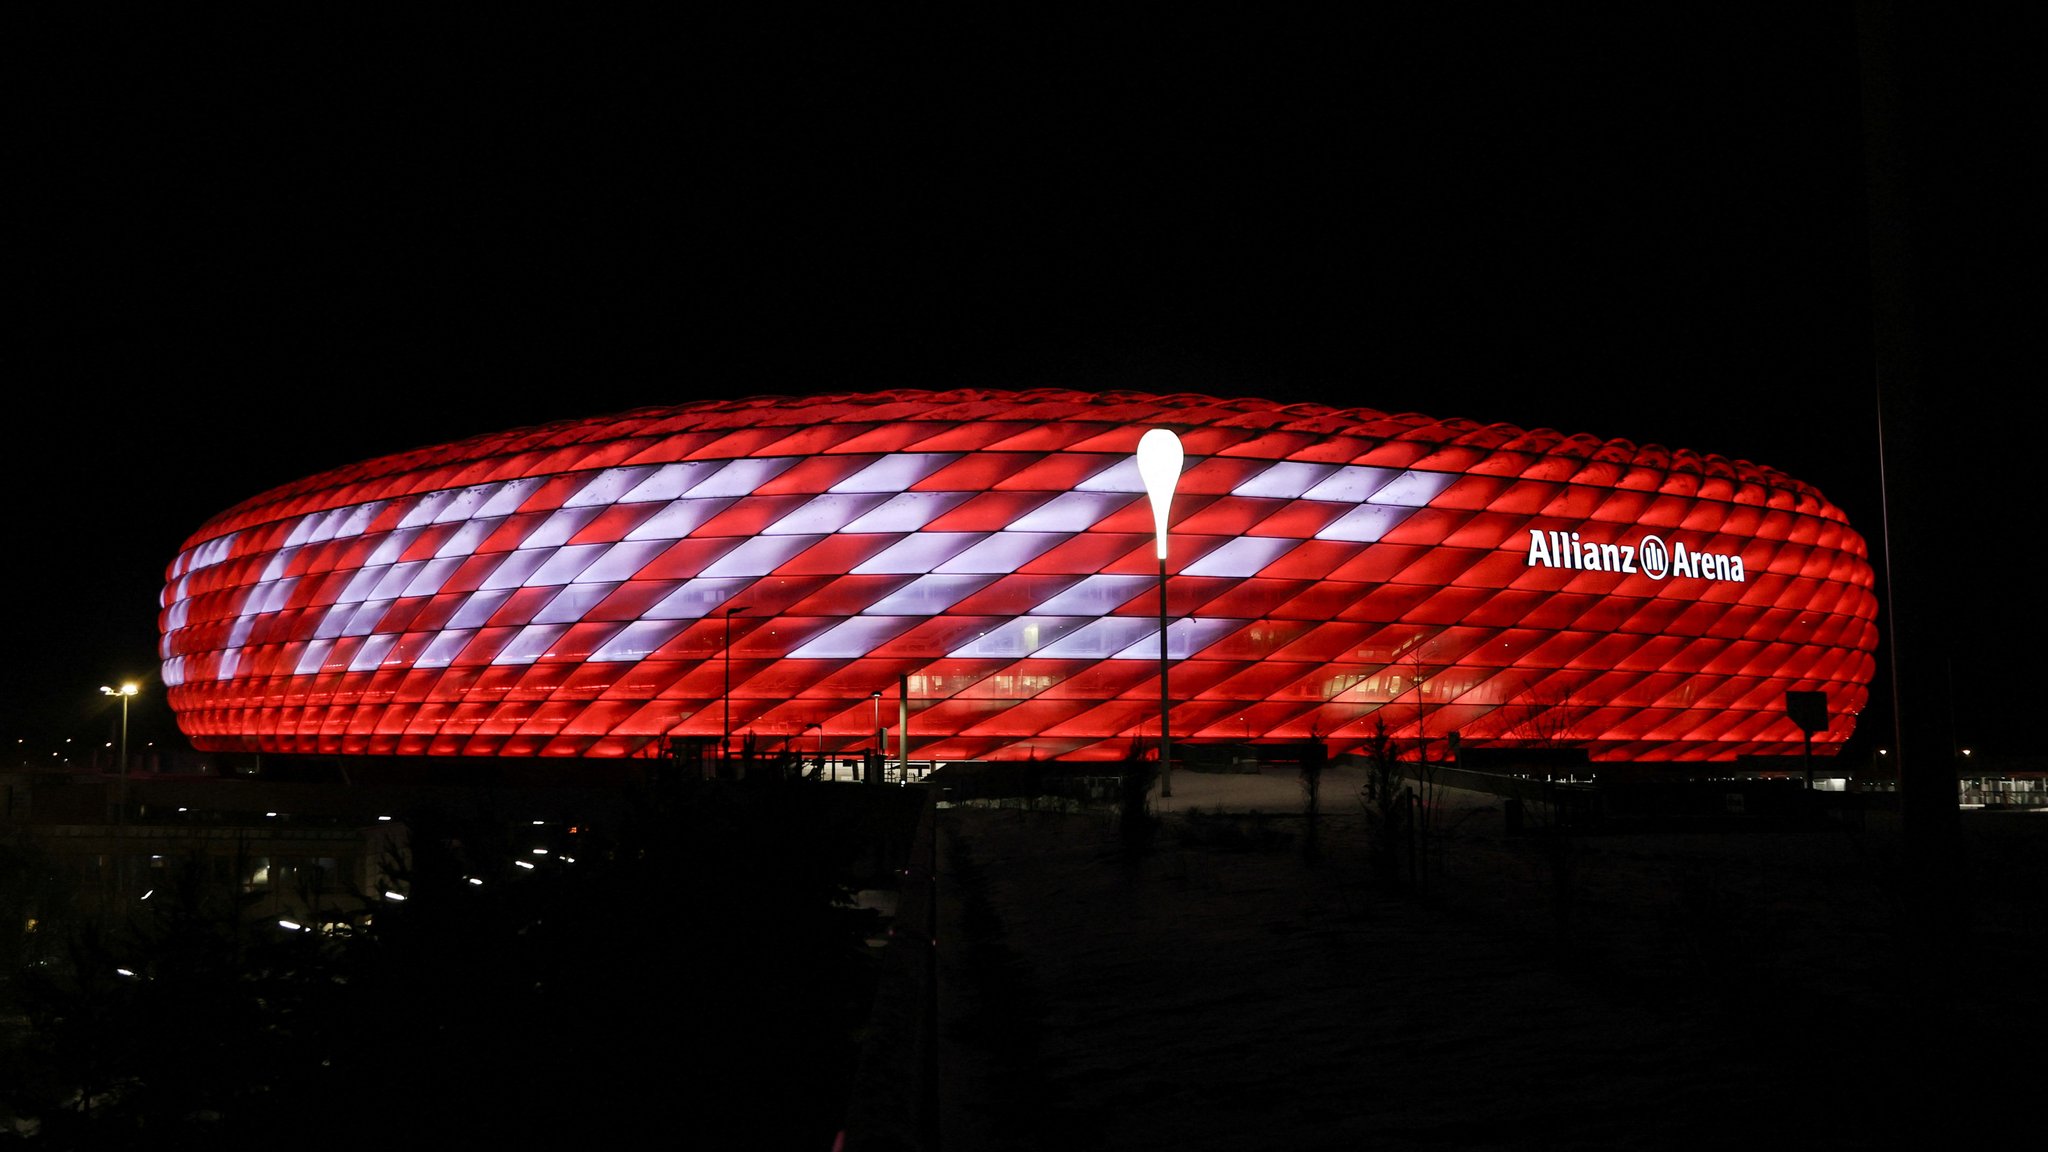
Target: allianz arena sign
(1649,556)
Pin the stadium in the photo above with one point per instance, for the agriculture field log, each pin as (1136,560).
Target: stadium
(974,575)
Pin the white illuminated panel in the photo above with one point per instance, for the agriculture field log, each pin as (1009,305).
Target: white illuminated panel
(1365,523)
(1184,638)
(1351,484)
(389,549)
(370,656)
(325,526)
(445,648)
(425,507)
(1284,481)
(358,587)
(1244,556)
(465,503)
(561,524)
(359,519)
(907,512)
(742,477)
(679,519)
(513,570)
(476,611)
(699,597)
(826,513)
(566,564)
(509,497)
(610,487)
(1071,511)
(530,644)
(466,539)
(669,481)
(759,556)
(918,553)
(313,657)
(334,620)
(1002,552)
(1414,489)
(854,638)
(636,641)
(624,560)
(363,621)
(280,562)
(1019,637)
(894,473)
(927,595)
(397,579)
(432,575)
(1103,639)
(573,603)
(1121,476)
(1098,595)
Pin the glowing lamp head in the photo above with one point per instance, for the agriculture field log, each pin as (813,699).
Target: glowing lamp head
(1159,459)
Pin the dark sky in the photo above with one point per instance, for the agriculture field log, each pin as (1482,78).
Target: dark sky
(259,246)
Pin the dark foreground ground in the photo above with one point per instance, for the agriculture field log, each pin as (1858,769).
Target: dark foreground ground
(1220,989)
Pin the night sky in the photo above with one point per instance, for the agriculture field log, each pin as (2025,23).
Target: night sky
(260,246)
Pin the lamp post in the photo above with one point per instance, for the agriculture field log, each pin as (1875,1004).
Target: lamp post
(1159,461)
(125,692)
(725,737)
(880,746)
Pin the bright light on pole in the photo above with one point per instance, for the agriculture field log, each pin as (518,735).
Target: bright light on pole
(1159,461)
(125,692)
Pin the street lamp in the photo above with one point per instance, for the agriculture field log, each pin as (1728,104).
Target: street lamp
(725,739)
(880,745)
(1159,461)
(125,692)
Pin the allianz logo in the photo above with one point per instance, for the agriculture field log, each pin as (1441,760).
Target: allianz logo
(1649,556)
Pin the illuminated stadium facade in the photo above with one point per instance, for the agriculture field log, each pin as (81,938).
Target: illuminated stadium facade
(568,590)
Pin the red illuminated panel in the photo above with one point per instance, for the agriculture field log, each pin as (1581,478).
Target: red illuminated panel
(568,590)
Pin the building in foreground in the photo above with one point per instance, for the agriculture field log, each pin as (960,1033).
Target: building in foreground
(803,571)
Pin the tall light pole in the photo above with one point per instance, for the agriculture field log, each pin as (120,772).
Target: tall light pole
(1159,461)
(725,738)
(125,692)
(880,745)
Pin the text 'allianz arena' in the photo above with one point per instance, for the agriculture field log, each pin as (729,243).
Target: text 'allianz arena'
(568,590)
